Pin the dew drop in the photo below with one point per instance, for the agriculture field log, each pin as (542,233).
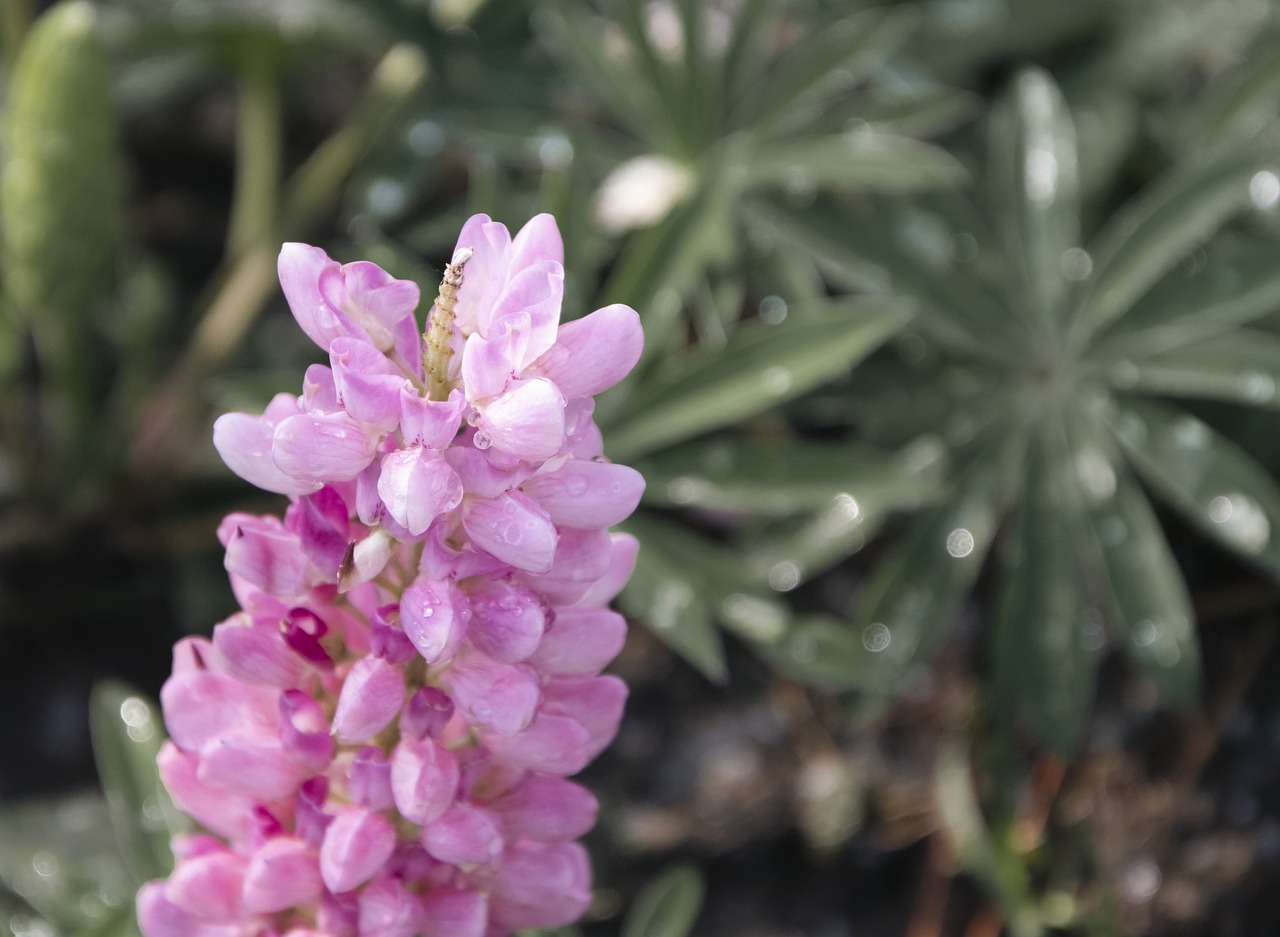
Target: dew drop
(776,380)
(1145,633)
(1075,264)
(134,712)
(876,637)
(576,486)
(960,543)
(784,576)
(1258,387)
(773,310)
(1241,520)
(1264,190)
(482,440)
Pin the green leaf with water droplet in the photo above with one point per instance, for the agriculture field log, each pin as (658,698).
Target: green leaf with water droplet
(827,653)
(127,734)
(761,366)
(864,160)
(668,601)
(1149,605)
(911,252)
(668,905)
(1205,476)
(1158,228)
(1238,282)
(1242,365)
(61,858)
(918,589)
(1042,666)
(783,476)
(1036,188)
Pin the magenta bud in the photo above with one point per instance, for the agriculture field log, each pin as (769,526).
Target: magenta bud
(424,779)
(388,909)
(372,694)
(450,912)
(507,621)
(370,779)
(310,818)
(302,630)
(580,642)
(434,615)
(541,885)
(257,653)
(546,808)
(304,731)
(428,712)
(356,845)
(501,697)
(208,887)
(283,873)
(466,835)
(387,639)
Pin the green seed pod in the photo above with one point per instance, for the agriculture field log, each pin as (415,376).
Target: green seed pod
(60,210)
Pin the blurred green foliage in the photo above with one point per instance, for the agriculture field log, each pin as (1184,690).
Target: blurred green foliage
(900,284)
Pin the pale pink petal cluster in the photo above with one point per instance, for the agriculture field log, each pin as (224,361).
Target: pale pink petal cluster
(377,743)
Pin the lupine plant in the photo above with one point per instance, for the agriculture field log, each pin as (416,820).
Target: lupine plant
(378,740)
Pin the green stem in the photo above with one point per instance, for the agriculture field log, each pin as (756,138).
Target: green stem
(258,148)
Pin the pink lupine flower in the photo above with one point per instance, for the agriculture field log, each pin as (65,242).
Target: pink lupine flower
(378,743)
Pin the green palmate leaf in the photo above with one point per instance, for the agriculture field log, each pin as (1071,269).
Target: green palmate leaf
(1036,188)
(865,159)
(918,590)
(912,253)
(781,476)
(1206,477)
(761,366)
(836,56)
(746,51)
(826,653)
(1149,605)
(1158,228)
(668,905)
(60,857)
(1042,663)
(127,734)
(1238,283)
(1243,365)
(662,265)
(923,111)
(1238,106)
(570,29)
(667,599)
(662,71)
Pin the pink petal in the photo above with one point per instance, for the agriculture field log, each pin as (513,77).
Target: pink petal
(448,912)
(283,873)
(507,621)
(322,447)
(388,909)
(593,353)
(502,697)
(434,615)
(304,731)
(202,706)
(244,442)
(595,702)
(300,266)
(428,712)
(263,553)
(208,887)
(160,917)
(554,744)
(257,653)
(371,696)
(356,845)
(514,529)
(622,560)
(464,835)
(526,421)
(535,295)
(417,485)
(252,765)
(430,423)
(368,384)
(587,494)
(323,524)
(580,642)
(541,885)
(371,779)
(424,779)
(581,558)
(219,811)
(546,808)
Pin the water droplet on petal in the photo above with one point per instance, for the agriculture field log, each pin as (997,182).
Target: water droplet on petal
(482,440)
